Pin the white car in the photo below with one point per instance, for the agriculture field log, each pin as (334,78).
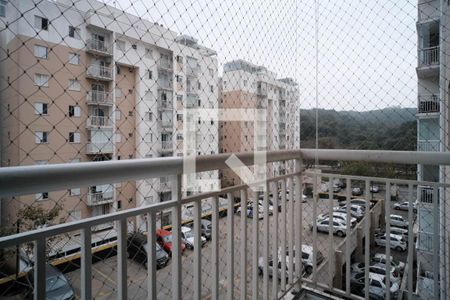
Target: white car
(273,269)
(396,241)
(374,188)
(380,258)
(405,206)
(307,257)
(381,270)
(250,213)
(338,215)
(188,237)
(398,221)
(355,210)
(377,286)
(339,228)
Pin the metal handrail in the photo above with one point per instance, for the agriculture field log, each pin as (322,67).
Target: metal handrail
(22,180)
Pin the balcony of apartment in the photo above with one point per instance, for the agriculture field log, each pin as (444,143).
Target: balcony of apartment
(98,72)
(99,122)
(166,124)
(95,148)
(261,89)
(192,70)
(428,104)
(165,83)
(101,197)
(428,10)
(240,247)
(165,64)
(428,145)
(98,47)
(191,87)
(99,98)
(192,101)
(165,103)
(166,146)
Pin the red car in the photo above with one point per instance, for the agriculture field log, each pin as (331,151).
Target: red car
(164,238)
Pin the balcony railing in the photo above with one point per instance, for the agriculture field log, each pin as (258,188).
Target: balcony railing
(97,46)
(192,70)
(102,197)
(165,84)
(428,104)
(99,72)
(425,241)
(167,145)
(241,245)
(429,56)
(99,98)
(165,64)
(99,148)
(428,145)
(98,122)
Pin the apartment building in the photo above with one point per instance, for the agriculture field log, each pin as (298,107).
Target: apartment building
(432,131)
(249,86)
(98,84)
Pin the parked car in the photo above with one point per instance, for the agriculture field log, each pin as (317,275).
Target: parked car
(164,239)
(339,228)
(398,231)
(356,191)
(272,269)
(380,258)
(398,221)
(381,270)
(188,237)
(338,215)
(374,188)
(361,202)
(250,213)
(396,241)
(307,257)
(377,287)
(357,267)
(206,228)
(405,206)
(137,250)
(356,211)
(56,284)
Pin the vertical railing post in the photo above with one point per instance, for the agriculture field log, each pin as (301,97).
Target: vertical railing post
(39,269)
(347,237)
(266,243)
(243,245)
(151,255)
(410,242)
(298,194)
(230,246)
(291,236)
(86,264)
(215,247)
(314,217)
(275,242)
(330,234)
(387,207)
(176,239)
(436,239)
(122,259)
(283,235)
(197,250)
(367,220)
(255,242)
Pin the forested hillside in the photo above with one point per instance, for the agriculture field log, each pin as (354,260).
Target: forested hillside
(387,129)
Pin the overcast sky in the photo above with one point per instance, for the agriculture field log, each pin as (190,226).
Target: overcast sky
(367,49)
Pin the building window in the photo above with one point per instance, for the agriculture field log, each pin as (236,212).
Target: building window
(40,51)
(118,138)
(75,192)
(149,116)
(74,58)
(74,137)
(199,85)
(40,23)
(74,85)
(178,78)
(150,74)
(41,108)
(179,117)
(179,136)
(42,196)
(120,45)
(41,79)
(74,111)
(41,137)
(3,4)
(179,97)
(148,53)
(211,88)
(74,32)
(179,59)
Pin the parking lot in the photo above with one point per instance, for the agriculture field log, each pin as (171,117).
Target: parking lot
(105,272)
